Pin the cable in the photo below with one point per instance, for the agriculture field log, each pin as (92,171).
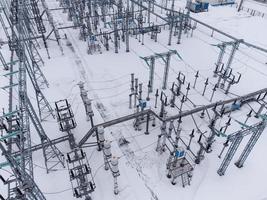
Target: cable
(117,86)
(58,192)
(98,170)
(119,157)
(111,80)
(44,168)
(106,97)
(140,149)
(185,63)
(247,55)
(135,136)
(238,60)
(7,171)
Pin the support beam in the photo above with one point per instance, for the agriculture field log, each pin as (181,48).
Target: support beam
(251,143)
(182,114)
(230,154)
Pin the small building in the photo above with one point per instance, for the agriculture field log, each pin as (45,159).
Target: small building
(198,6)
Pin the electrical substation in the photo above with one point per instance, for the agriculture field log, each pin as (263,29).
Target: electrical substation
(133,99)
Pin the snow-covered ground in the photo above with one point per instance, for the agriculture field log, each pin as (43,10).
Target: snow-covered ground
(107,79)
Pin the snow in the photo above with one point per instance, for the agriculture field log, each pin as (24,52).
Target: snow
(107,79)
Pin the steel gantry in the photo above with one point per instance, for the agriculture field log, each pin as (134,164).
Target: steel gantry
(236,138)
(52,155)
(256,133)
(81,177)
(189,17)
(251,96)
(52,24)
(25,188)
(18,151)
(31,61)
(25,137)
(224,71)
(66,121)
(150,61)
(23,18)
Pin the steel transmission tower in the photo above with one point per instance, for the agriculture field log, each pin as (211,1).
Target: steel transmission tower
(236,138)
(52,24)
(252,141)
(52,154)
(26,187)
(33,69)
(22,38)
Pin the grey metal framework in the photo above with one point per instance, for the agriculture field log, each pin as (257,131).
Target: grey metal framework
(23,18)
(66,121)
(52,155)
(236,139)
(150,61)
(52,24)
(179,167)
(23,24)
(251,143)
(25,188)
(251,96)
(32,60)
(80,174)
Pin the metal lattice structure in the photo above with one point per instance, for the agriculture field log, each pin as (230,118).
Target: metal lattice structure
(23,44)
(80,174)
(236,139)
(52,155)
(25,188)
(150,61)
(66,120)
(102,24)
(32,59)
